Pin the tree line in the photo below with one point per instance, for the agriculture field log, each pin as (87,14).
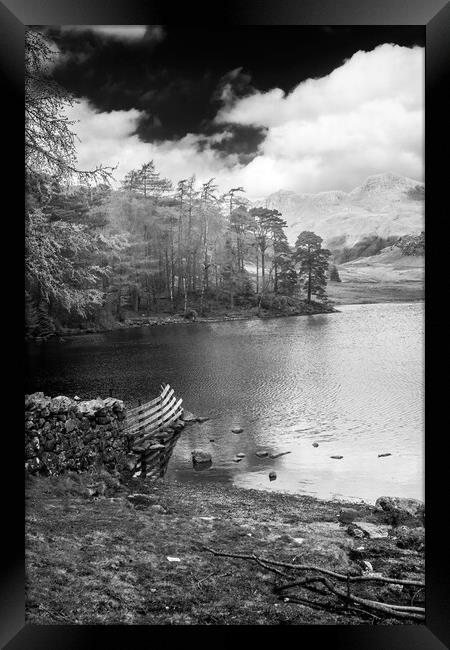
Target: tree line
(95,253)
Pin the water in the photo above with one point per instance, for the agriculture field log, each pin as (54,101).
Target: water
(352,382)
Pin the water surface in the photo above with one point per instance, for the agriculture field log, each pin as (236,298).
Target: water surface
(350,381)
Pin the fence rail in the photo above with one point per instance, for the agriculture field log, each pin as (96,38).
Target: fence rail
(146,427)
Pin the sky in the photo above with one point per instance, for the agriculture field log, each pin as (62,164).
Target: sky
(299,108)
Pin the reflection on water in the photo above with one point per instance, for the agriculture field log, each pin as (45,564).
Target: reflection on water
(352,382)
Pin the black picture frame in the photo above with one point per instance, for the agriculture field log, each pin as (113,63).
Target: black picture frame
(434,15)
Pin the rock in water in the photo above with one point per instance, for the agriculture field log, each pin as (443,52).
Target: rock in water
(280,453)
(272,476)
(237,430)
(201,456)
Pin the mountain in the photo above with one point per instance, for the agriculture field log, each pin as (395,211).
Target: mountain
(385,205)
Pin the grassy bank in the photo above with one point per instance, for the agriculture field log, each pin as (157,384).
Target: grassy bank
(353,293)
(105,559)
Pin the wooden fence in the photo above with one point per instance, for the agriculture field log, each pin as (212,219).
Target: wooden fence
(153,430)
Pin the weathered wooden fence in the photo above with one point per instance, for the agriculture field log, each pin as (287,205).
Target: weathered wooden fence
(153,430)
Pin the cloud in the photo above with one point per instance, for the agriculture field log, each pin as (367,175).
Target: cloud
(153,33)
(366,117)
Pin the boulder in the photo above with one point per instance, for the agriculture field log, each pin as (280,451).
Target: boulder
(401,506)
(201,456)
(60,404)
(272,475)
(411,538)
(347,515)
(237,430)
(337,457)
(315,444)
(262,454)
(374,531)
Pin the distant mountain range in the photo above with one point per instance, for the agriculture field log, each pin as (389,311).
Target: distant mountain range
(385,205)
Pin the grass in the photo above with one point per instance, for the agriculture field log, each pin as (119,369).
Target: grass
(353,293)
(104,560)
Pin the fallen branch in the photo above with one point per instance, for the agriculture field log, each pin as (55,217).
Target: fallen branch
(395,611)
(311,567)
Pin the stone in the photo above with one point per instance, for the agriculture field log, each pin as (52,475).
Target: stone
(236,459)
(374,531)
(411,538)
(337,457)
(237,430)
(202,419)
(156,507)
(315,444)
(188,417)
(382,455)
(401,506)
(347,515)
(280,453)
(240,455)
(272,475)
(60,404)
(353,531)
(262,454)
(143,500)
(71,425)
(201,456)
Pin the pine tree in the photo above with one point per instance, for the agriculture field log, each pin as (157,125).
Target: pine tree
(313,260)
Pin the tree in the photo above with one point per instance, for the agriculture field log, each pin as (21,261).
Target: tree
(49,140)
(265,223)
(334,273)
(313,261)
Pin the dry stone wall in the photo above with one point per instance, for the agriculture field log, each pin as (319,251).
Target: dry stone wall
(69,434)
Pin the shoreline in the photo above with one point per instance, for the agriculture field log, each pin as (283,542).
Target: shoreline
(168,319)
(145,558)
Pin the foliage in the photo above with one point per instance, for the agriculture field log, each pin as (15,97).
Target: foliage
(313,261)
(412,244)
(49,140)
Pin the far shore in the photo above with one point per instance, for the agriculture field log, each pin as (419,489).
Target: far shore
(339,294)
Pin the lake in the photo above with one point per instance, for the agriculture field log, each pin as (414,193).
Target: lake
(353,382)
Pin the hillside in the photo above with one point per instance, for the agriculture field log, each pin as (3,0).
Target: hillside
(385,205)
(390,265)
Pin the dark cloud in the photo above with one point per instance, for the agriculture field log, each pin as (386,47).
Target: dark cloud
(179,77)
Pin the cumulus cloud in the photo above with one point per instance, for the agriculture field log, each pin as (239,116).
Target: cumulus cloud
(365,117)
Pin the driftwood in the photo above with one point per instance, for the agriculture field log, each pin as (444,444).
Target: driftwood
(394,611)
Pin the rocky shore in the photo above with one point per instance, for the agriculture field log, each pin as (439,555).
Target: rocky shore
(104,550)
(214,316)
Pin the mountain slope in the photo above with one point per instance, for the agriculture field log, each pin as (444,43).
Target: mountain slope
(385,205)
